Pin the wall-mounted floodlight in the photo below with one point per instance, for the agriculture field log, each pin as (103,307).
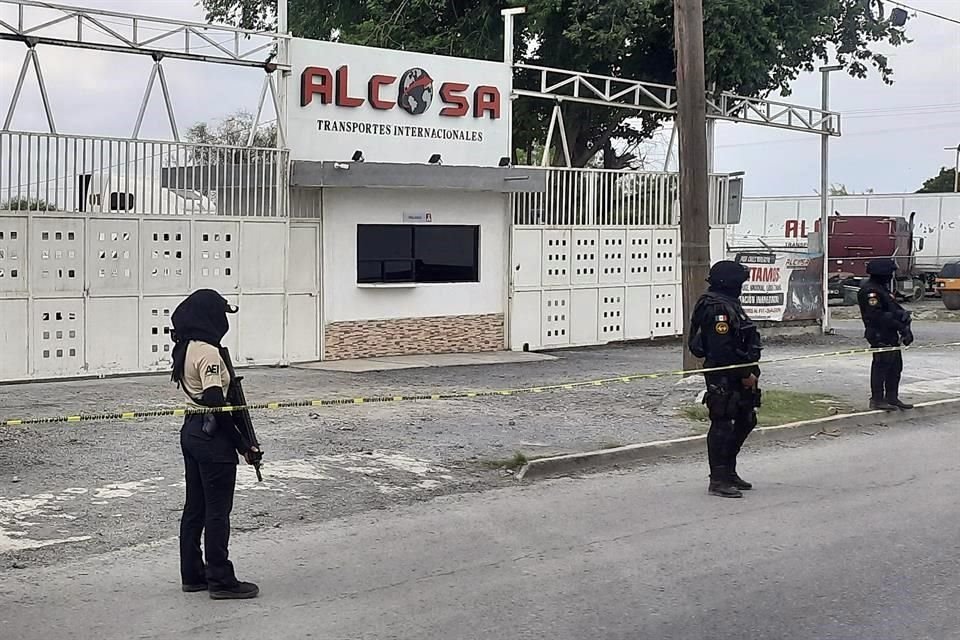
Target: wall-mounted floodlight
(357,156)
(504,162)
(436,159)
(898,17)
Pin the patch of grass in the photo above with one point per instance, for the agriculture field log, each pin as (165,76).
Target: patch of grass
(695,412)
(515,462)
(700,429)
(780,407)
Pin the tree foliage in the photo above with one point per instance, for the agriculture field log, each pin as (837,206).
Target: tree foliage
(752,47)
(232,131)
(27,204)
(943,182)
(840,189)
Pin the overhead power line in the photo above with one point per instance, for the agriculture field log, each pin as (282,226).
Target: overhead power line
(901,108)
(871,132)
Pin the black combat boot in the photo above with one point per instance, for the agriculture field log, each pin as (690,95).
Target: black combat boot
(721,484)
(239,591)
(896,402)
(738,482)
(882,405)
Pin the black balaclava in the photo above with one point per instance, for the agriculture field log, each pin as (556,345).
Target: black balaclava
(881,271)
(202,316)
(727,278)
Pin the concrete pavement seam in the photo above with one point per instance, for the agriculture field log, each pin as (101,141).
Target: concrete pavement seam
(632,453)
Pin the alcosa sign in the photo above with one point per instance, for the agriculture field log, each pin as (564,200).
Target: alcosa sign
(395,106)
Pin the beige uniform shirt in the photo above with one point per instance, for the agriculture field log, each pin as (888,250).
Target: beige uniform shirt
(204,369)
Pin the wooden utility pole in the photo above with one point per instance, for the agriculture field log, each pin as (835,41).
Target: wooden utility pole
(694,181)
(956,170)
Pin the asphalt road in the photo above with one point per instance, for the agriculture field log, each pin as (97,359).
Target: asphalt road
(850,538)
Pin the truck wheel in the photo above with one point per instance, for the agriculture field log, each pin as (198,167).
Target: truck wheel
(918,292)
(951,300)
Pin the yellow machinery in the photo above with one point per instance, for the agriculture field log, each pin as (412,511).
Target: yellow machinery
(948,286)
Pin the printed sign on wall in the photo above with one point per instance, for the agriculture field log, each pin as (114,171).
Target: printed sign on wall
(395,106)
(783,284)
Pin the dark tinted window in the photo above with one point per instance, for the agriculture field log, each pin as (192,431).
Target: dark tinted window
(417,253)
(446,254)
(951,270)
(121,201)
(384,242)
(384,253)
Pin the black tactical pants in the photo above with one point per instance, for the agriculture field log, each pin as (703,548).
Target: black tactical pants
(885,375)
(733,417)
(206,512)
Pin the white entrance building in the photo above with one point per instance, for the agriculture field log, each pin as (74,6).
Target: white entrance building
(388,221)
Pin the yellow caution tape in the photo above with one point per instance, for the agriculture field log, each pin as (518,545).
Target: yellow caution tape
(453,395)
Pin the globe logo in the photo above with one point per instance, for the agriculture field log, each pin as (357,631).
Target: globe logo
(416,91)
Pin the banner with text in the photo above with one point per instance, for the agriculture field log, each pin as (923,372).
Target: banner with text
(395,106)
(784,284)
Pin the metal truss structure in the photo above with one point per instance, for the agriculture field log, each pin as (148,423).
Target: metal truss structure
(563,86)
(35,23)
(560,86)
(131,33)
(572,86)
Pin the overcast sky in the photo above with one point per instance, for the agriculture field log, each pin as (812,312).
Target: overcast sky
(893,136)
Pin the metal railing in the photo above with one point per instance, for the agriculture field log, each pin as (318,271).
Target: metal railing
(610,198)
(305,204)
(48,173)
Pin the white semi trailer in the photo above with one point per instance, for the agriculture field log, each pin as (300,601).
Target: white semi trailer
(786,221)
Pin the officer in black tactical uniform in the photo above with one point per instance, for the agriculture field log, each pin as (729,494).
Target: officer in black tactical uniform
(886,323)
(723,334)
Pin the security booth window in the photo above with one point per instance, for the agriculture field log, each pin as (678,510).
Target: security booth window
(388,253)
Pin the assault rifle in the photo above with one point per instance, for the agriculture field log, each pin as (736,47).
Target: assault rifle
(241,418)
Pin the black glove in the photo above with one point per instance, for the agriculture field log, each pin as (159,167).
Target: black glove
(907,336)
(210,424)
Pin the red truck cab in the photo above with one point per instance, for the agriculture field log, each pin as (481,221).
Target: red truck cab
(856,240)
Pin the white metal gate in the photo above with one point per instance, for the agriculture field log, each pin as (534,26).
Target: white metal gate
(596,258)
(100,239)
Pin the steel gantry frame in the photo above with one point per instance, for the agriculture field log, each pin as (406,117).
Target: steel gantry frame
(572,86)
(560,86)
(43,23)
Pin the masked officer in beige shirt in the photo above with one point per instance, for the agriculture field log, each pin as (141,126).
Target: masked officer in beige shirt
(210,444)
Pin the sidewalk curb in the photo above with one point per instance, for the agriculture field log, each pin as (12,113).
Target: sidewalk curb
(649,451)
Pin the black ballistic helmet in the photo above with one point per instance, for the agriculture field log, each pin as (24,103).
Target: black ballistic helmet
(883,267)
(728,274)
